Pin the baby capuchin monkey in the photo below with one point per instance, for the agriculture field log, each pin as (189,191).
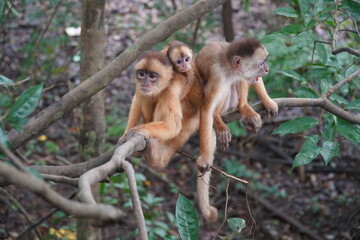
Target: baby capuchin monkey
(156,100)
(228,69)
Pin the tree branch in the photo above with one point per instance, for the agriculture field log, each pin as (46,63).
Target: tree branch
(101,213)
(341,83)
(103,78)
(346,49)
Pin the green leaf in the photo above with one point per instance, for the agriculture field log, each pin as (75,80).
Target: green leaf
(296,125)
(293,74)
(304,7)
(330,150)
(286,11)
(338,99)
(237,129)
(3,137)
(354,105)
(236,224)
(4,81)
(321,51)
(325,84)
(309,151)
(186,219)
(292,28)
(353,8)
(349,131)
(305,92)
(25,104)
(330,127)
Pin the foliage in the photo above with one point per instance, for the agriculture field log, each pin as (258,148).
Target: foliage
(307,66)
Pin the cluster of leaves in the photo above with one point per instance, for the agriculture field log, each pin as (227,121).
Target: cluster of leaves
(308,68)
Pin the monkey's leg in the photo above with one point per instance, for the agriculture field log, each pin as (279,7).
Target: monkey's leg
(269,104)
(250,118)
(209,212)
(159,154)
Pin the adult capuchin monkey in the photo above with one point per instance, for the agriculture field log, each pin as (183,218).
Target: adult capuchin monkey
(228,69)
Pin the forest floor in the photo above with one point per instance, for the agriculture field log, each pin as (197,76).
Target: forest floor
(311,202)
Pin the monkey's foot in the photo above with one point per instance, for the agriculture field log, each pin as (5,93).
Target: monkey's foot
(252,122)
(210,214)
(204,163)
(223,138)
(271,108)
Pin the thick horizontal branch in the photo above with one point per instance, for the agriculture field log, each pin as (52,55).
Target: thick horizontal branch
(101,79)
(302,102)
(102,213)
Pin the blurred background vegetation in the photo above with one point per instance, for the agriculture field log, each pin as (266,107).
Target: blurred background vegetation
(39,62)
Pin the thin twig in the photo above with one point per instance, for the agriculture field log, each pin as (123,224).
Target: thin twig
(346,49)
(341,83)
(228,175)
(226,208)
(195,33)
(12,157)
(333,42)
(18,205)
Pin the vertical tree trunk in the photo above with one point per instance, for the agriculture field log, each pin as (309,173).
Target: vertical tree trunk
(227,21)
(93,117)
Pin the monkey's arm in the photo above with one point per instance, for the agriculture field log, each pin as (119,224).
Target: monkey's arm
(250,118)
(269,104)
(134,114)
(223,135)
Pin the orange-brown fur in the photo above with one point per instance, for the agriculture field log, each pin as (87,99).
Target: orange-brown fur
(228,70)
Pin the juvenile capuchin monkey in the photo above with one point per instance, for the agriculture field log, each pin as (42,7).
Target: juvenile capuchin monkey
(187,77)
(156,100)
(228,69)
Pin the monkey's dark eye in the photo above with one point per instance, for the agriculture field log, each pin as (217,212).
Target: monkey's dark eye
(178,61)
(141,73)
(187,59)
(152,75)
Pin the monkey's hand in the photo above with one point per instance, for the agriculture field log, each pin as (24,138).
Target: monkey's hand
(204,163)
(223,137)
(250,119)
(271,108)
(129,134)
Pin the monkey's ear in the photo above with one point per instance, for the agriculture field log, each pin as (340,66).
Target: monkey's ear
(236,62)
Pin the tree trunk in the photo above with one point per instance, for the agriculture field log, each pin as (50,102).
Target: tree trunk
(92,127)
(227,21)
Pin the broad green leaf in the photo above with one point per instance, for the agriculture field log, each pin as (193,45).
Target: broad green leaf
(330,150)
(321,51)
(353,8)
(25,104)
(304,7)
(4,80)
(293,74)
(325,84)
(186,219)
(296,125)
(354,105)
(286,11)
(292,28)
(305,92)
(4,140)
(309,151)
(349,131)
(246,5)
(236,224)
(330,127)
(338,99)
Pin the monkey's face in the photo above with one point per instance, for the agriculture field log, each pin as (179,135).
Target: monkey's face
(153,74)
(255,66)
(181,58)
